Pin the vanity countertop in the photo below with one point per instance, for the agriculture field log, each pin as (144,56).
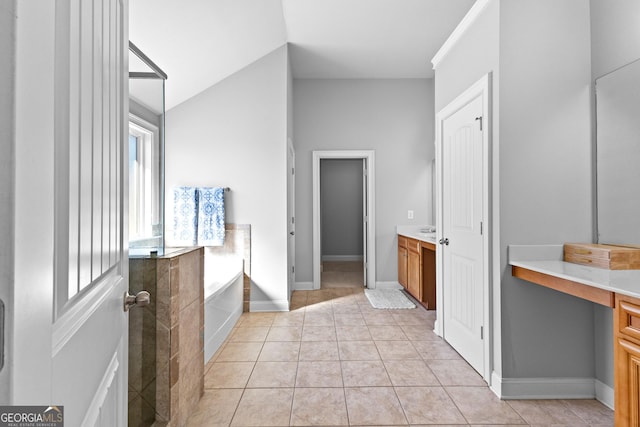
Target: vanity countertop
(413,232)
(547,260)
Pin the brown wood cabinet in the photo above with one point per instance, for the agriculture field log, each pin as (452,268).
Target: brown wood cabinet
(626,352)
(402,261)
(417,269)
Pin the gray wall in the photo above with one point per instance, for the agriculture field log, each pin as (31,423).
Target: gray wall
(541,170)
(7,116)
(234,134)
(392,117)
(341,207)
(615,41)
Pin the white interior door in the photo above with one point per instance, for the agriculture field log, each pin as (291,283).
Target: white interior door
(365,221)
(291,214)
(68,328)
(462,241)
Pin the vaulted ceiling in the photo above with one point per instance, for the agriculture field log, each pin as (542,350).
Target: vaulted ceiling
(200,42)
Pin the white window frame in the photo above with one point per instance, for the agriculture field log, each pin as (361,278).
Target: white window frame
(144,205)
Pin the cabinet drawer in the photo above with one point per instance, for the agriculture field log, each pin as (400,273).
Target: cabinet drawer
(413,245)
(402,241)
(629,317)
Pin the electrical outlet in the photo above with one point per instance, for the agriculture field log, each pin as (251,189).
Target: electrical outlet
(410,214)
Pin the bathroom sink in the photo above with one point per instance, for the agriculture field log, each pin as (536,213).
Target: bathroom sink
(427,230)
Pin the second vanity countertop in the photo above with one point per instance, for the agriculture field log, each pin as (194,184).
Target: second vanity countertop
(547,259)
(413,232)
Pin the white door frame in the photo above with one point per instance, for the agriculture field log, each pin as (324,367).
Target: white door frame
(369,156)
(482,88)
(291,214)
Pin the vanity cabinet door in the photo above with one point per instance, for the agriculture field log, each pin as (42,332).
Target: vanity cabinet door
(627,361)
(402,261)
(414,284)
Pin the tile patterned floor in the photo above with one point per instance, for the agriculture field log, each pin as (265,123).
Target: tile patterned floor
(335,361)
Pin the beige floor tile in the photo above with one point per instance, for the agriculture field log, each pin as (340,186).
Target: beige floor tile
(436,349)
(319,318)
(256,320)
(319,407)
(455,372)
(273,375)
(397,350)
(367,373)
(410,373)
(419,333)
(216,408)
(545,412)
(280,351)
(353,333)
(285,333)
(409,317)
(358,350)
(355,319)
(387,332)
(428,405)
(362,410)
(289,318)
(319,350)
(318,333)
(345,307)
(591,411)
(479,405)
(228,375)
(264,407)
(240,352)
(378,318)
(319,374)
(249,334)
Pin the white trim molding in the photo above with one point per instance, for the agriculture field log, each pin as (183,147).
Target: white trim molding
(342,258)
(462,28)
(369,157)
(388,285)
(303,286)
(605,394)
(548,388)
(277,305)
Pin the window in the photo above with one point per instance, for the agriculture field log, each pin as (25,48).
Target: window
(145,227)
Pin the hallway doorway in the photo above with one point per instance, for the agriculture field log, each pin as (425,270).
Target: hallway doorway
(367,223)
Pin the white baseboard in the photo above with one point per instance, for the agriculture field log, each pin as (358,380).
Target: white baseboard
(281,305)
(342,258)
(303,286)
(604,394)
(388,285)
(544,388)
(496,384)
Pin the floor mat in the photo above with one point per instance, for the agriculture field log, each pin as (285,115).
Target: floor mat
(388,298)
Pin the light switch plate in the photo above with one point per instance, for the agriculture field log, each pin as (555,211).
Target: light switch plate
(410,214)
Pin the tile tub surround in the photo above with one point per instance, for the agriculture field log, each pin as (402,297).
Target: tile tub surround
(175,282)
(327,373)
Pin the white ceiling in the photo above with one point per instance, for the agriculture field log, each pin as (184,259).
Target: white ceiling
(200,42)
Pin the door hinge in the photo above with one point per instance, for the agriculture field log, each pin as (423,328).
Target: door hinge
(293,268)
(481,332)
(293,220)
(481,228)
(293,171)
(480,119)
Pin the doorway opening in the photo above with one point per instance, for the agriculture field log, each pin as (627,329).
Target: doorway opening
(330,193)
(342,223)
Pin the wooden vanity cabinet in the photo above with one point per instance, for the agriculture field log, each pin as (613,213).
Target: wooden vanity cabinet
(417,269)
(414,269)
(626,352)
(402,261)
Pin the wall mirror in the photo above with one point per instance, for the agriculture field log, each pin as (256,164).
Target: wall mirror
(618,155)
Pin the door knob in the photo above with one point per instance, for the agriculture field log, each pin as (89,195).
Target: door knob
(292,233)
(140,299)
(444,242)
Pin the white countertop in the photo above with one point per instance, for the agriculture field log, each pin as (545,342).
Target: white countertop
(547,259)
(413,231)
